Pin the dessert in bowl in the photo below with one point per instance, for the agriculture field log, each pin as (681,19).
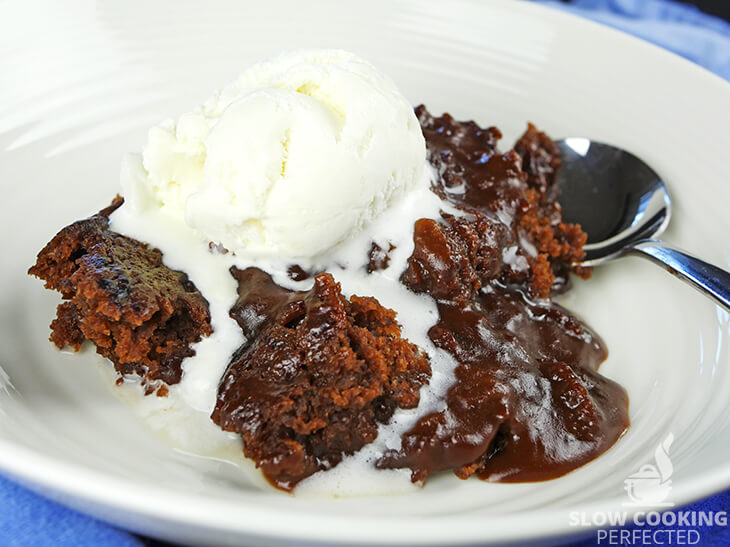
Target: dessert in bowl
(345,285)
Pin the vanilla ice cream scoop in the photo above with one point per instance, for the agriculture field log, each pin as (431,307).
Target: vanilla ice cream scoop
(292,158)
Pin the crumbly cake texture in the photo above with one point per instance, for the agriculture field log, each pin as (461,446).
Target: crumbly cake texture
(317,375)
(513,231)
(118,294)
(527,403)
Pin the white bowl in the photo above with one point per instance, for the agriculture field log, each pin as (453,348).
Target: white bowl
(86,83)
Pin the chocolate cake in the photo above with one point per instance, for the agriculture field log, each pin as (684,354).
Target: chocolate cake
(527,403)
(319,372)
(117,293)
(512,230)
(315,377)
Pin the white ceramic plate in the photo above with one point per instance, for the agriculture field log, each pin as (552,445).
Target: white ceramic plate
(83,82)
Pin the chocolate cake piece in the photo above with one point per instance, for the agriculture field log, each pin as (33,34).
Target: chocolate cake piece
(513,206)
(378,258)
(540,160)
(316,376)
(527,403)
(118,294)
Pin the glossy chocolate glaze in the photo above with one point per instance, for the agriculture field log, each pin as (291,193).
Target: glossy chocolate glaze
(316,375)
(527,403)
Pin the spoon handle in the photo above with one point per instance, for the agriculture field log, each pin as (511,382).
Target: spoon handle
(709,279)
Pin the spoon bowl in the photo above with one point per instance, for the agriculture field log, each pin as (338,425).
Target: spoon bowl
(623,205)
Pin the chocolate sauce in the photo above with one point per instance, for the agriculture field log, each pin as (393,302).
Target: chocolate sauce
(316,375)
(527,403)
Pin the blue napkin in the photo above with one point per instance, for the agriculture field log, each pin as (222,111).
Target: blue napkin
(678,27)
(27,519)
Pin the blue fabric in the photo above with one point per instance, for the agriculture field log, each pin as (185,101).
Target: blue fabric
(680,28)
(27,519)
(30,520)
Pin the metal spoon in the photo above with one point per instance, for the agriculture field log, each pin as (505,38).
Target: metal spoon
(622,204)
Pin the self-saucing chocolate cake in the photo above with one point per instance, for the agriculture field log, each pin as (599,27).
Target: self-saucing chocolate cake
(527,403)
(117,293)
(317,376)
(318,372)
